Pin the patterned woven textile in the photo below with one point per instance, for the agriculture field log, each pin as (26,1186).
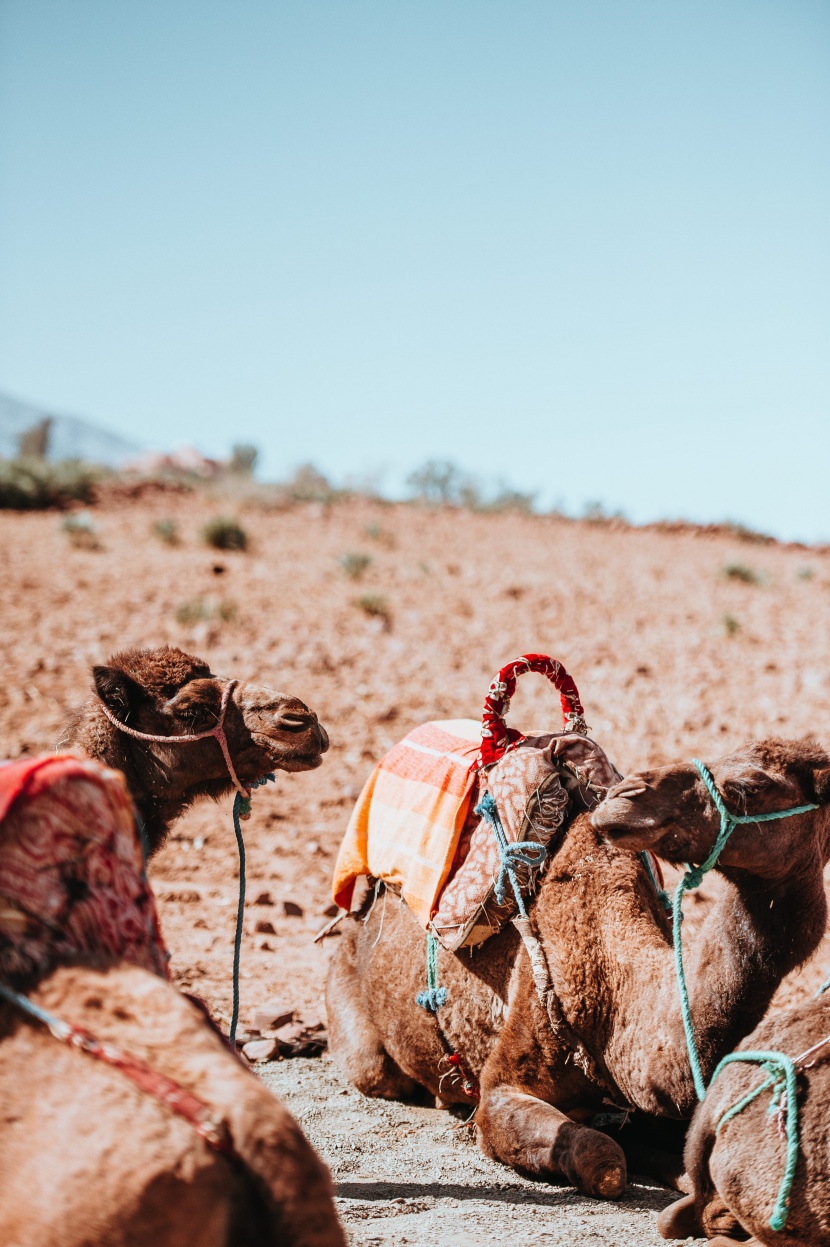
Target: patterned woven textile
(408,820)
(536,786)
(72,878)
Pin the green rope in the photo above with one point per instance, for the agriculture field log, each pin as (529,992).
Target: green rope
(241,809)
(662,895)
(781,1078)
(434,996)
(693,879)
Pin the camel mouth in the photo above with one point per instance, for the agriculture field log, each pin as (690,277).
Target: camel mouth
(288,758)
(620,821)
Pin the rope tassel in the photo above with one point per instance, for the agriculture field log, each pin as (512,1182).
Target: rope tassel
(434,996)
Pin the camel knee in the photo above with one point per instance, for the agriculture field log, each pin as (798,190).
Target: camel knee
(354,1041)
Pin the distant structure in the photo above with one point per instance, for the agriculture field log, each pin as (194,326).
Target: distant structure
(26,429)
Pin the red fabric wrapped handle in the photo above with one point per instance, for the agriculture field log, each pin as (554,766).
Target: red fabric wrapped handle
(497,737)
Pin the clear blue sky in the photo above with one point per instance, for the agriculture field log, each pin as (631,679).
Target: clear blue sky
(585,245)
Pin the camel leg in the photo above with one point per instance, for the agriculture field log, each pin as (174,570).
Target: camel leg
(531,1135)
(354,1040)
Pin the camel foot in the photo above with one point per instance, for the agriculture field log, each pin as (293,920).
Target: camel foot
(591,1161)
(680,1220)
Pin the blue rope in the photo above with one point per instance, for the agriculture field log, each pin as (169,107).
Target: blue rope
(780,1070)
(434,996)
(241,809)
(525,852)
(693,879)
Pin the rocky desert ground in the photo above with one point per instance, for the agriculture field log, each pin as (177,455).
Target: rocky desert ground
(682,642)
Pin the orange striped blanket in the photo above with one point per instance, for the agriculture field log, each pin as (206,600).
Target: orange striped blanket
(408,820)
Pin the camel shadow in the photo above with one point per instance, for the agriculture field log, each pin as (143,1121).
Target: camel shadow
(643,1195)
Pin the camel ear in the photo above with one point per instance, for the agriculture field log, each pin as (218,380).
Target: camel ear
(821,784)
(116,689)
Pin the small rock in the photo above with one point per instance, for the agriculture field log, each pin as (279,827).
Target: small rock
(265,947)
(290,1033)
(247,1036)
(264,927)
(313,847)
(331,911)
(292,910)
(274,1015)
(259,1049)
(264,898)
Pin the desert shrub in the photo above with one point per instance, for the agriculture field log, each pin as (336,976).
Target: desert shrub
(34,485)
(355,563)
(376,533)
(806,573)
(749,535)
(439,482)
(375,607)
(740,571)
(225,533)
(308,484)
(204,610)
(243,459)
(167,530)
(508,499)
(80,531)
(731,625)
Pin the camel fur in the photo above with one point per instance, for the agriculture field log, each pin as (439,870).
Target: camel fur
(87,1158)
(165,692)
(736,1173)
(618,1040)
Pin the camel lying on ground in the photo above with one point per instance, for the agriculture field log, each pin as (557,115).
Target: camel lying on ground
(142,1127)
(165,692)
(737,1171)
(618,1040)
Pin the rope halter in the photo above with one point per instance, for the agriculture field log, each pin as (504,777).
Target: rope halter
(218,732)
(692,879)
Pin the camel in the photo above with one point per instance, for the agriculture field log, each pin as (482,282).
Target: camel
(142,1126)
(737,1171)
(164,692)
(614,1039)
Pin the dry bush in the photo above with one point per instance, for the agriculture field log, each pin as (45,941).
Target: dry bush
(35,485)
(355,563)
(222,532)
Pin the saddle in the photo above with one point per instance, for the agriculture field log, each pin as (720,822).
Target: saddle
(73,886)
(424,823)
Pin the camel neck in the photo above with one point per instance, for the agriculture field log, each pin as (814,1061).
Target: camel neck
(623,987)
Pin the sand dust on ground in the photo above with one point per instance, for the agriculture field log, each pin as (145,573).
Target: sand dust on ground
(681,645)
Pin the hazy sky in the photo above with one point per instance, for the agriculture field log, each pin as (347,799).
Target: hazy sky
(582,245)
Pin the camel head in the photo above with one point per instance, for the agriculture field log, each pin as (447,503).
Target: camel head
(669,810)
(165,692)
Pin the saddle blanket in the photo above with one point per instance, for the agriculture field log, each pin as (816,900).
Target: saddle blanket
(408,820)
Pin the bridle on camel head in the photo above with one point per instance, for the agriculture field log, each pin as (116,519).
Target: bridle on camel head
(218,732)
(241,811)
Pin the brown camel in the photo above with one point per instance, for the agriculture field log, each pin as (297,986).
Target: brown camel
(737,1171)
(165,692)
(615,1037)
(142,1126)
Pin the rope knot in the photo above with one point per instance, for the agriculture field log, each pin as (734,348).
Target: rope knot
(432,998)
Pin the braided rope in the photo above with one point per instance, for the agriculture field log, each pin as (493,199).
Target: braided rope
(692,879)
(241,810)
(434,996)
(780,1070)
(527,852)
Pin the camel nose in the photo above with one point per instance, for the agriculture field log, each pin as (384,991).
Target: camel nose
(302,721)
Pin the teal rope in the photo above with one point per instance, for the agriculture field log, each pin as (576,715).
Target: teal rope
(693,879)
(434,996)
(241,807)
(527,852)
(781,1077)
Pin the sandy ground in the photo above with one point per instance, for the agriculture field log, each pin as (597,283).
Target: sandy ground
(673,658)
